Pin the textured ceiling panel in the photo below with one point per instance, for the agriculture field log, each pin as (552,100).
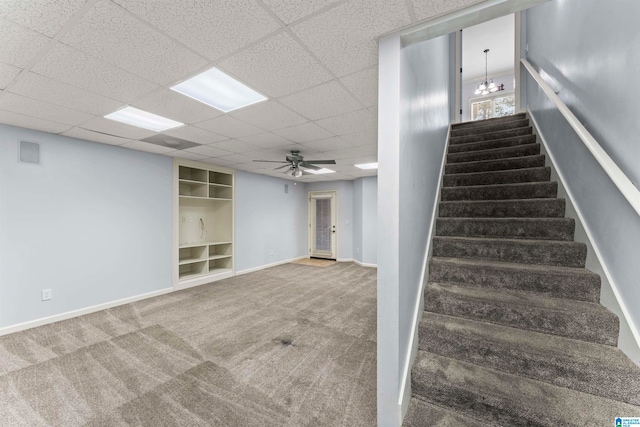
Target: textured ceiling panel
(344,38)
(235,146)
(290,11)
(303,133)
(44,16)
(173,105)
(212,28)
(111,127)
(192,133)
(329,144)
(7,73)
(88,135)
(269,115)
(149,148)
(186,155)
(23,121)
(266,140)
(208,151)
(326,100)
(79,69)
(19,45)
(425,9)
(276,67)
(217,161)
(364,85)
(229,126)
(42,110)
(111,34)
(359,121)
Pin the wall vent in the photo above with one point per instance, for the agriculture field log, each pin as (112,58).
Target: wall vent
(29,152)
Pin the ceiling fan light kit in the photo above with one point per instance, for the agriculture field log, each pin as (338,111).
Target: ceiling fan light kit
(298,166)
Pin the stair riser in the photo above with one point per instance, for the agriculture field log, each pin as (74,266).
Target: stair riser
(496,165)
(545,253)
(490,128)
(551,208)
(553,368)
(543,190)
(489,145)
(590,327)
(509,229)
(495,154)
(422,413)
(491,135)
(488,122)
(494,178)
(577,286)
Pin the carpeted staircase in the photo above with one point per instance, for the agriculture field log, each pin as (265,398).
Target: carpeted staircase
(513,332)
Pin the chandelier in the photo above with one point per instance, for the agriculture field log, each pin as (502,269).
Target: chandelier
(486,87)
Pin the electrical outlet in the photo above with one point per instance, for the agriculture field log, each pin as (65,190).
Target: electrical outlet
(190,219)
(46,294)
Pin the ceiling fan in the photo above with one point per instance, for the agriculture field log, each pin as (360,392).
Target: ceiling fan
(296,163)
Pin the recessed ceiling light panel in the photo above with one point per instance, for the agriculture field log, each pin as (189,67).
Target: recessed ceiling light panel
(367,165)
(143,119)
(218,90)
(320,171)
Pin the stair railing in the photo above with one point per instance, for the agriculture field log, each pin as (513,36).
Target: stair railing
(624,184)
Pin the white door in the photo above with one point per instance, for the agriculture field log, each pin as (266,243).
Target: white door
(322,224)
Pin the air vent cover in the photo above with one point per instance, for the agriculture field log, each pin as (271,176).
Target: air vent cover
(29,152)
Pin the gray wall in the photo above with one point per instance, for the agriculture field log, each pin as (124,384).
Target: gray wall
(357,220)
(92,223)
(268,220)
(365,220)
(595,72)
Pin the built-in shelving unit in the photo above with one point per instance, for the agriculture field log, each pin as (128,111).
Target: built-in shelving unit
(204,223)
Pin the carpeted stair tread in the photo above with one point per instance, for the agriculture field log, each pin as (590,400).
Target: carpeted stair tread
(516,176)
(477,137)
(488,122)
(591,368)
(550,281)
(524,122)
(495,143)
(495,153)
(547,252)
(421,413)
(515,208)
(510,228)
(567,318)
(509,163)
(525,190)
(505,399)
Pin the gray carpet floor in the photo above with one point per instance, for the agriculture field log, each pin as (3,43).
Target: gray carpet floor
(292,345)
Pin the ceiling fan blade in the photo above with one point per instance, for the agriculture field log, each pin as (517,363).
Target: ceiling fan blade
(309,166)
(281,167)
(270,161)
(321,162)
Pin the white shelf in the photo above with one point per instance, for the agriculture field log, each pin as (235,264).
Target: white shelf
(203,198)
(191,181)
(220,185)
(191,260)
(185,276)
(219,256)
(196,244)
(219,270)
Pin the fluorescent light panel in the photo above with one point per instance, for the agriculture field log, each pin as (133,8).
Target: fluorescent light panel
(320,171)
(143,119)
(218,90)
(367,165)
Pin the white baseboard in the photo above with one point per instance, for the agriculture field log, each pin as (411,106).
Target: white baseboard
(273,264)
(365,264)
(80,312)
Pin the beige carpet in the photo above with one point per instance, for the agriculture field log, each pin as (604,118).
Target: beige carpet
(315,262)
(284,346)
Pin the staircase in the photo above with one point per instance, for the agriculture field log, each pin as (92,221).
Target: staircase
(513,332)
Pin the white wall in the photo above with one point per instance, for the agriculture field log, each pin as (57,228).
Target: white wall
(92,223)
(365,220)
(357,220)
(271,225)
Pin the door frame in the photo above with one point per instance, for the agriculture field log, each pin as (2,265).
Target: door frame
(334,194)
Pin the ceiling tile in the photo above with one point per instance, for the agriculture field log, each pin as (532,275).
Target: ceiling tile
(45,89)
(81,70)
(330,144)
(269,115)
(149,148)
(7,73)
(212,28)
(186,155)
(44,16)
(276,67)
(192,133)
(357,160)
(111,34)
(208,151)
(344,38)
(88,135)
(173,105)
(364,85)
(364,150)
(304,133)
(349,123)
(253,167)
(326,100)
(28,122)
(276,154)
(19,45)
(359,139)
(235,146)
(430,8)
(290,11)
(266,140)
(236,158)
(216,161)
(111,127)
(229,126)
(32,107)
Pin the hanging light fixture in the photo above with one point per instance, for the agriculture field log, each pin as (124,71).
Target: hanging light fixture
(486,86)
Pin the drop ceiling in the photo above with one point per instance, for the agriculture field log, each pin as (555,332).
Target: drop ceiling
(64,64)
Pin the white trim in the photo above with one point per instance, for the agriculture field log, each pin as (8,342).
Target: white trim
(404,387)
(273,264)
(80,312)
(603,265)
(365,264)
(324,194)
(624,184)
